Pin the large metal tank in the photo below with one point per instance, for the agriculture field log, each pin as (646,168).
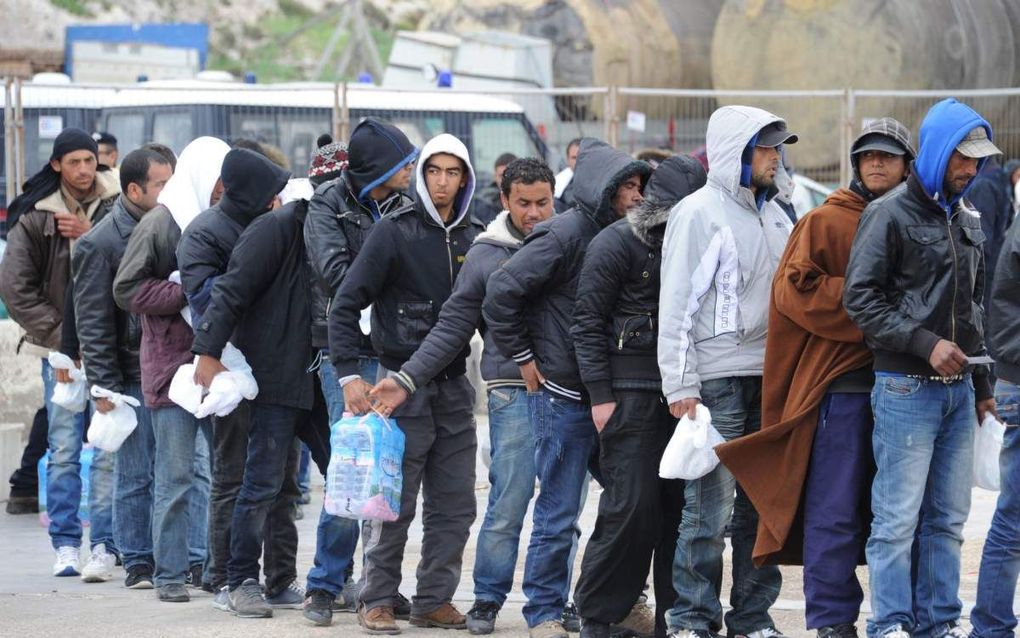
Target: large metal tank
(863,44)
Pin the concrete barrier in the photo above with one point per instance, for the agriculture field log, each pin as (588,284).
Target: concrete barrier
(21,388)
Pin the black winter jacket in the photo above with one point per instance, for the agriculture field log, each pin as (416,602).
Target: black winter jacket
(109,337)
(529,302)
(461,315)
(615,328)
(1004,310)
(261,305)
(915,277)
(335,230)
(406,270)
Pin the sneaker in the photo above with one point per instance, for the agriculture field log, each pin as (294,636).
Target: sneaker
(570,620)
(347,601)
(306,498)
(292,597)
(595,629)
(690,633)
(897,631)
(845,630)
(953,631)
(318,607)
(548,629)
(194,575)
(481,618)
(173,593)
(378,620)
(445,616)
(767,632)
(401,607)
(139,577)
(67,561)
(246,601)
(221,600)
(100,566)
(22,505)
(639,623)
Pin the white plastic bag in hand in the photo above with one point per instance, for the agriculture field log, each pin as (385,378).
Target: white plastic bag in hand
(73,396)
(987,446)
(689,454)
(226,391)
(108,431)
(183,389)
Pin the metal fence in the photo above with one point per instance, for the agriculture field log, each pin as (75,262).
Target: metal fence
(524,121)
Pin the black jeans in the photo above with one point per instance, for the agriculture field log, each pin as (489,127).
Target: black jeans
(639,514)
(229,454)
(25,479)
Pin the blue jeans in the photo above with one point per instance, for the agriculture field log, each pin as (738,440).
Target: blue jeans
(512,481)
(63,477)
(923,442)
(993,615)
(270,444)
(564,438)
(198,500)
(336,537)
(735,403)
(177,502)
(132,505)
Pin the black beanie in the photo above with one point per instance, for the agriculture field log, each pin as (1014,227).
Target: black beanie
(376,151)
(71,140)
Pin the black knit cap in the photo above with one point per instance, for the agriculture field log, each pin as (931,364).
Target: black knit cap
(71,140)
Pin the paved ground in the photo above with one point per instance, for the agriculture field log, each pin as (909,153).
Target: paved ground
(34,603)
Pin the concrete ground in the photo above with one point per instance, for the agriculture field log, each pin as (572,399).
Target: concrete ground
(34,603)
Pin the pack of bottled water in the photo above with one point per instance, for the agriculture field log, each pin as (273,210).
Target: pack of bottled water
(364,478)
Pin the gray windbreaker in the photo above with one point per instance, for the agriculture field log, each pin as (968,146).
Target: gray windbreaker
(718,259)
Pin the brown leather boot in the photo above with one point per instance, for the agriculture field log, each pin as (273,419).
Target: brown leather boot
(445,616)
(378,620)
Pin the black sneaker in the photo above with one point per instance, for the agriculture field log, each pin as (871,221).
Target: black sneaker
(594,629)
(401,607)
(571,621)
(173,593)
(845,630)
(194,576)
(318,607)
(22,504)
(139,577)
(246,601)
(481,618)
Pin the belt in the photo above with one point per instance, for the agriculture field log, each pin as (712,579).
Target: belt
(945,380)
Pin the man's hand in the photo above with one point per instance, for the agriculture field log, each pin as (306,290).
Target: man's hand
(947,358)
(64,376)
(103,405)
(533,379)
(356,399)
(683,407)
(985,407)
(207,368)
(388,395)
(601,413)
(71,226)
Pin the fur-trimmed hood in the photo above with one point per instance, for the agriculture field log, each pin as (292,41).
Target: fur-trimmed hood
(675,178)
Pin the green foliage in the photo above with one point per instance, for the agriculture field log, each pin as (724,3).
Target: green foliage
(74,7)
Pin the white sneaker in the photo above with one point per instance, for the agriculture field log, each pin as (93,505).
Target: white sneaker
(100,566)
(67,561)
(896,631)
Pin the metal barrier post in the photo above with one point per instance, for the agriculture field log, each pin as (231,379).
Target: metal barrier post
(345,115)
(846,134)
(612,122)
(19,142)
(11,180)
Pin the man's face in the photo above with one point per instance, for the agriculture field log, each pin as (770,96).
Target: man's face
(400,180)
(497,175)
(880,171)
(764,164)
(156,178)
(108,155)
(77,170)
(959,172)
(572,155)
(1015,177)
(444,177)
(217,192)
(529,204)
(627,196)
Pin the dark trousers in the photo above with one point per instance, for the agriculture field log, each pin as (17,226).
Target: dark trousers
(229,453)
(25,479)
(837,506)
(639,513)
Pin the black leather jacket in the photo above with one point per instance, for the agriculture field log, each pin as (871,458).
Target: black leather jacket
(335,230)
(915,277)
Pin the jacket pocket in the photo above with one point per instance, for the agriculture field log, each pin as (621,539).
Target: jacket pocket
(414,319)
(926,234)
(634,332)
(973,236)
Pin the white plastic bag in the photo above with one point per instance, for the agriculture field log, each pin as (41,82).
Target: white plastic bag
(109,431)
(226,391)
(183,389)
(987,446)
(689,454)
(72,396)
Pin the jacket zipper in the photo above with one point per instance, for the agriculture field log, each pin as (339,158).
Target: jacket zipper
(449,256)
(952,245)
(626,322)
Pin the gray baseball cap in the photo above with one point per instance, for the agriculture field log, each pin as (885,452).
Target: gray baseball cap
(774,134)
(976,144)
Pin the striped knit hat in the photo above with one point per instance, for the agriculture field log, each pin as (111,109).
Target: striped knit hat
(329,160)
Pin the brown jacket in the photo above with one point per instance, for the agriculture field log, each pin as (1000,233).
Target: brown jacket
(811,341)
(36,269)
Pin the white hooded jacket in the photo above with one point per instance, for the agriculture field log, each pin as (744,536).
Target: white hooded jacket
(718,259)
(189,189)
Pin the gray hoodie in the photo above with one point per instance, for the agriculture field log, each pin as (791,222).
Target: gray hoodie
(719,256)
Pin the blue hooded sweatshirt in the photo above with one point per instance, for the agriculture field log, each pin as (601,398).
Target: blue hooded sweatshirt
(943,128)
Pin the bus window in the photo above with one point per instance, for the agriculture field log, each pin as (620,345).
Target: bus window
(491,137)
(298,132)
(413,131)
(260,127)
(173,129)
(128,128)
